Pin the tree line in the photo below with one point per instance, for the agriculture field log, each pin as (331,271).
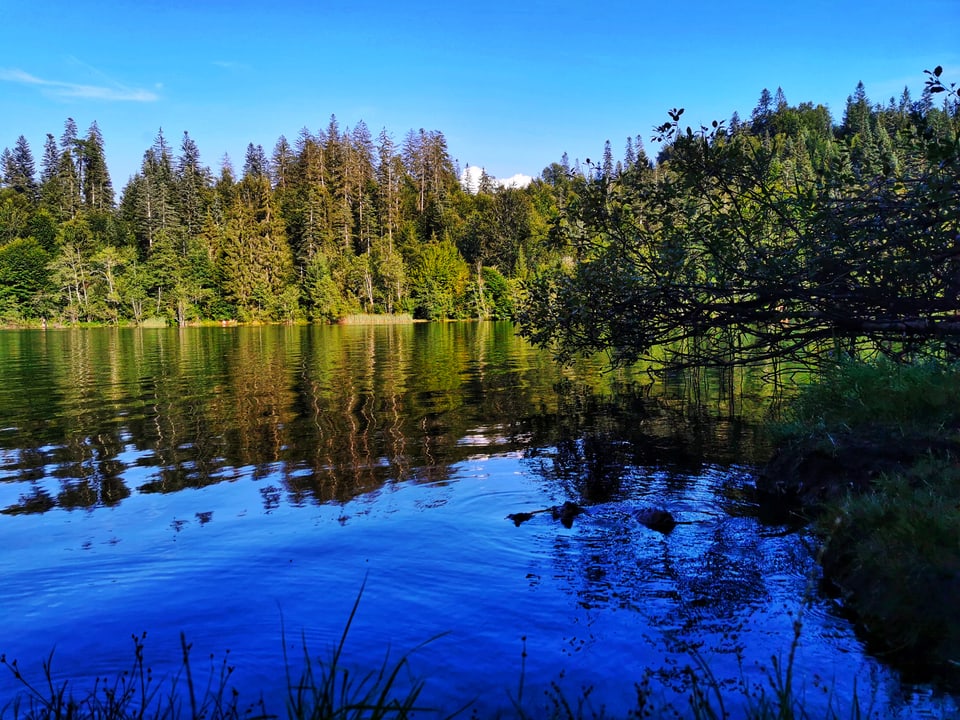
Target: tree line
(771,234)
(334,224)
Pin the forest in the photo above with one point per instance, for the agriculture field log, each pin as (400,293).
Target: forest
(753,237)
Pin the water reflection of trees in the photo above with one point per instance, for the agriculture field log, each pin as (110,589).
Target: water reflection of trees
(324,412)
(593,442)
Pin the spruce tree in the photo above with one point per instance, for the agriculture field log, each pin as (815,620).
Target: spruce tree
(606,169)
(191,189)
(21,174)
(255,162)
(762,114)
(97,187)
(281,164)
(68,168)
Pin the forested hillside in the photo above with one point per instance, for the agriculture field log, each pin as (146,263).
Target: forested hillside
(339,222)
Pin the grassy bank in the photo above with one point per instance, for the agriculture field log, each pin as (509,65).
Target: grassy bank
(870,453)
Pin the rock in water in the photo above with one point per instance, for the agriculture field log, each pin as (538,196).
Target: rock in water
(566,513)
(655,519)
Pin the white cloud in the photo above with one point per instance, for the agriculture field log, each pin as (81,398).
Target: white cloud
(470,179)
(517,181)
(76,90)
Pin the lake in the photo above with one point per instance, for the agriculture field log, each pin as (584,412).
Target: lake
(241,485)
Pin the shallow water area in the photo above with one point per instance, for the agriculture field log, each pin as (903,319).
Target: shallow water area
(245,485)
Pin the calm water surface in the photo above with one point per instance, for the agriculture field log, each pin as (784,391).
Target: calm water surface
(243,484)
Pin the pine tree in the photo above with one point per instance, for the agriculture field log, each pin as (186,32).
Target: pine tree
(309,225)
(257,261)
(780,101)
(360,177)
(51,158)
(390,174)
(6,168)
(53,194)
(149,199)
(858,132)
(430,168)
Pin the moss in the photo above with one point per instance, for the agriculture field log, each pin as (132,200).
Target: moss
(894,554)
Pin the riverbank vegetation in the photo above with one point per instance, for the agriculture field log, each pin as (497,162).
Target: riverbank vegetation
(870,453)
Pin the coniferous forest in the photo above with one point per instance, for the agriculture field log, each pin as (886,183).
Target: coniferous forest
(788,227)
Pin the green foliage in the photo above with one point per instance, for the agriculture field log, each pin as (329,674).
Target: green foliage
(24,279)
(323,296)
(752,244)
(922,398)
(498,293)
(438,281)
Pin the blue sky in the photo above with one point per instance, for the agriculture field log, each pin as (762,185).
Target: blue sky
(511,84)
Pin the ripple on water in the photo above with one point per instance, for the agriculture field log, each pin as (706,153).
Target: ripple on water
(601,601)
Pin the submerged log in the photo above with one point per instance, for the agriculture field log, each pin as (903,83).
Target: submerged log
(564,513)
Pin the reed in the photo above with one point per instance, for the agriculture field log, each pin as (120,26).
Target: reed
(326,689)
(370,319)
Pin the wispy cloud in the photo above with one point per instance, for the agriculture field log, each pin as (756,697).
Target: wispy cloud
(114,92)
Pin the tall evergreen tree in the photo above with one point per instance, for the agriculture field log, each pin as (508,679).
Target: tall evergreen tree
(360,177)
(69,168)
(281,164)
(309,223)
(762,114)
(150,196)
(255,162)
(629,155)
(53,194)
(22,172)
(257,262)
(606,168)
(192,182)
(97,188)
(390,175)
(6,168)
(780,101)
